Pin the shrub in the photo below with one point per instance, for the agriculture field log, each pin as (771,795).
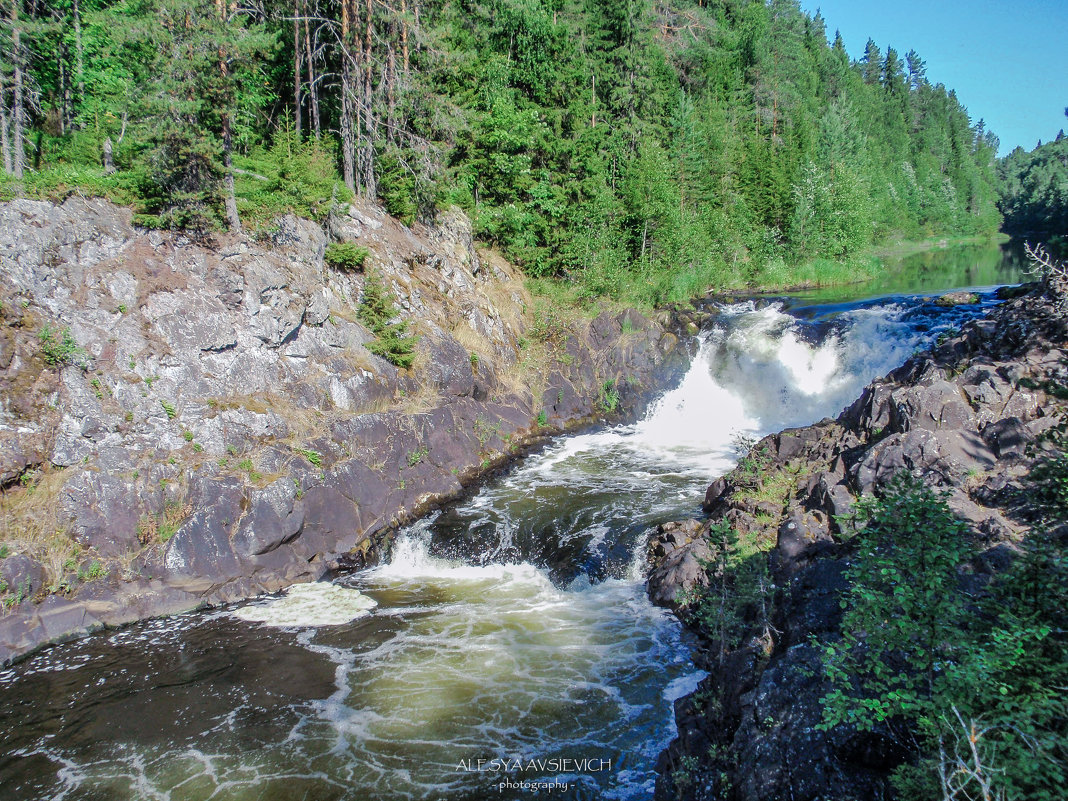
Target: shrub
(58,348)
(903,613)
(312,456)
(737,599)
(345,256)
(608,401)
(377,311)
(975,686)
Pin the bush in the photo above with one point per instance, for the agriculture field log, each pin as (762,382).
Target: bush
(919,655)
(58,348)
(904,611)
(377,311)
(345,256)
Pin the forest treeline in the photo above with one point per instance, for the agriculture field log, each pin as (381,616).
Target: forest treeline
(1034,192)
(661,144)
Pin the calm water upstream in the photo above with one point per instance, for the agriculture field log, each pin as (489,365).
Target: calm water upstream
(510,626)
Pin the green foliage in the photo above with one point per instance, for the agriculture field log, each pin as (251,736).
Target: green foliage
(608,399)
(601,143)
(289,176)
(1034,189)
(543,418)
(903,613)
(737,599)
(345,255)
(377,312)
(58,349)
(94,571)
(980,693)
(314,457)
(169,409)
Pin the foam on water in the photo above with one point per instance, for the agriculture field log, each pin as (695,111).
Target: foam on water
(309,606)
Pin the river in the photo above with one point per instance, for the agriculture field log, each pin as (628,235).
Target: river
(510,640)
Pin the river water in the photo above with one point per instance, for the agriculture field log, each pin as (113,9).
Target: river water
(508,641)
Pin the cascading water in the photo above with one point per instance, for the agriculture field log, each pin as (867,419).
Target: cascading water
(512,626)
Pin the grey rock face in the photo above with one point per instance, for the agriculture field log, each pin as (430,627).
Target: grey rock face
(680,552)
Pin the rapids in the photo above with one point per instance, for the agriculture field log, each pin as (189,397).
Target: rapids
(511,627)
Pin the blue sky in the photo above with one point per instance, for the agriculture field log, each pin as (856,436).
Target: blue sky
(1006,60)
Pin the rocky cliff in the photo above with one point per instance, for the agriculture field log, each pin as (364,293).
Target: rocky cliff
(962,417)
(188,421)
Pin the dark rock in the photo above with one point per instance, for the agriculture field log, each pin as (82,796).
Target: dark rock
(274,517)
(956,299)
(939,405)
(450,367)
(681,551)
(1009,437)
(780,751)
(799,535)
(63,620)
(1013,292)
(715,494)
(105,511)
(22,575)
(330,519)
(200,553)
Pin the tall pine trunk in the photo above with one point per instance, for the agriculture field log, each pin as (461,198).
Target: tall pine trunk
(5,141)
(297,100)
(367,153)
(18,123)
(348,143)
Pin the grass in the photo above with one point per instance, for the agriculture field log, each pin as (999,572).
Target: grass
(424,399)
(30,523)
(161,527)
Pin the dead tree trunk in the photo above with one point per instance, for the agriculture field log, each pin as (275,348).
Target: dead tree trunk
(313,89)
(5,141)
(390,80)
(348,144)
(108,157)
(297,100)
(18,122)
(367,156)
(404,38)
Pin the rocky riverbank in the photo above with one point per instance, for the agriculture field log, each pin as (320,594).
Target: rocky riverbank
(189,422)
(961,416)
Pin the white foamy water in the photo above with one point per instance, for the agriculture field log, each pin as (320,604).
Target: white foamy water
(309,606)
